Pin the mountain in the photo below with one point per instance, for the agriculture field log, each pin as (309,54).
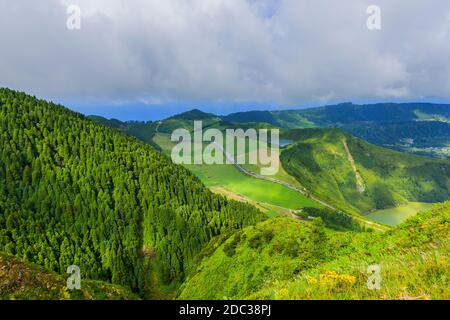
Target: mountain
(419,128)
(421,137)
(186,121)
(73,192)
(288,259)
(194,114)
(346,113)
(113,123)
(143,130)
(357,176)
(21,280)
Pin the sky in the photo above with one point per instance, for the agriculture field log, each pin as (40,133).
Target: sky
(147,59)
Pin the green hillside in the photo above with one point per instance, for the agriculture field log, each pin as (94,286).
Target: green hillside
(359,177)
(76,192)
(419,128)
(287,259)
(24,281)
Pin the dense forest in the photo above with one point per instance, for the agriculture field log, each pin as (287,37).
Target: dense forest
(420,133)
(73,192)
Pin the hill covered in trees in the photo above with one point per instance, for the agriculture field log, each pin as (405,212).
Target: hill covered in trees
(357,176)
(287,259)
(73,192)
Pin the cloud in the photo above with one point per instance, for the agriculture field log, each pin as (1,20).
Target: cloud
(285,52)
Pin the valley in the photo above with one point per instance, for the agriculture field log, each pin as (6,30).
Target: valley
(308,193)
(228,179)
(195,156)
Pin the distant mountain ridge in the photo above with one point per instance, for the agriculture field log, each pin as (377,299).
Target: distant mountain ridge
(345,113)
(391,125)
(325,116)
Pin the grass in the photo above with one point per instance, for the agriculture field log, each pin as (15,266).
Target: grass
(395,216)
(227,176)
(270,210)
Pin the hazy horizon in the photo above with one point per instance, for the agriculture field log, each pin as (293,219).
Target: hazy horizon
(155,113)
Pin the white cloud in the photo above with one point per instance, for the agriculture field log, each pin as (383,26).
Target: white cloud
(286,51)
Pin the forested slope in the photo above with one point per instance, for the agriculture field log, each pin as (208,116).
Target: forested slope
(76,192)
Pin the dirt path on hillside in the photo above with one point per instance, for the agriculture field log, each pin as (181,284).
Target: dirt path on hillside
(360,187)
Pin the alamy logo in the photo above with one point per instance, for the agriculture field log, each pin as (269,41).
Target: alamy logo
(374,277)
(74,20)
(374,19)
(235,147)
(74,280)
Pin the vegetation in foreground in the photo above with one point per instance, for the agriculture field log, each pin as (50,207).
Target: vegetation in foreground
(21,280)
(286,259)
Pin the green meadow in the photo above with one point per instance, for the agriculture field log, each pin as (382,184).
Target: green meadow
(230,178)
(227,176)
